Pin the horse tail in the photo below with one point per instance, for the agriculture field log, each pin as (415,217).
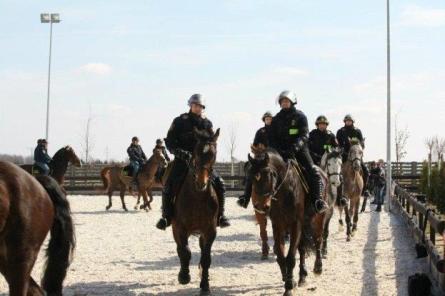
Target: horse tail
(103,176)
(62,242)
(307,241)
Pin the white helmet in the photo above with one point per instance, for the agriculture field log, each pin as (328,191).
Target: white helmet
(197,99)
(287,94)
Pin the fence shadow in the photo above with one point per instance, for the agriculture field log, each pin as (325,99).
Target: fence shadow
(369,278)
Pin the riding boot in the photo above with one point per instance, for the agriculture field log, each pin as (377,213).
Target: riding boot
(220,190)
(316,192)
(243,200)
(167,209)
(365,191)
(342,201)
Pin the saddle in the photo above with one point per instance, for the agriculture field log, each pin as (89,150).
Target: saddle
(127,171)
(37,170)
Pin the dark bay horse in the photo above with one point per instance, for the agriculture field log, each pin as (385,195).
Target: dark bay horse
(29,209)
(280,195)
(352,188)
(196,209)
(114,179)
(59,164)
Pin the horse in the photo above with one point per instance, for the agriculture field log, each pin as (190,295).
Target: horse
(113,179)
(29,209)
(58,165)
(280,195)
(331,165)
(352,187)
(196,209)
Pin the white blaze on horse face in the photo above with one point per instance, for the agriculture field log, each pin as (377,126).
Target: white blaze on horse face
(334,170)
(258,177)
(206,148)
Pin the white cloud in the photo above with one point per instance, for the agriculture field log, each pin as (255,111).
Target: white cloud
(100,69)
(414,15)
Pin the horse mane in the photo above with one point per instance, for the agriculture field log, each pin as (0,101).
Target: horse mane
(60,154)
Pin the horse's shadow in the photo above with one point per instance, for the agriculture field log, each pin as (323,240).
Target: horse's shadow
(219,291)
(104,288)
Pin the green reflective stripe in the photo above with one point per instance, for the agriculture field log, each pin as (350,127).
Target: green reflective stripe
(327,147)
(293,131)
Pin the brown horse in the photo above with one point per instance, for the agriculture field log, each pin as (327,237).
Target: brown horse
(29,209)
(196,209)
(113,178)
(279,194)
(352,187)
(59,164)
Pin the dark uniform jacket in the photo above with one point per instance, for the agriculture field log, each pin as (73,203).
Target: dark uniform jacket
(346,133)
(319,142)
(288,127)
(377,176)
(262,136)
(41,155)
(135,153)
(180,135)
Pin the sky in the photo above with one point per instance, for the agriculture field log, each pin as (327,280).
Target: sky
(132,65)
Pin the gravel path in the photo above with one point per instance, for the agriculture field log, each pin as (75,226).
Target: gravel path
(124,254)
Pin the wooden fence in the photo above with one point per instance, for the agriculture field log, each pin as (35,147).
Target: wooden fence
(86,180)
(414,212)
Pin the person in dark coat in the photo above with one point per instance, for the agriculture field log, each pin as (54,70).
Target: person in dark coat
(181,143)
(345,135)
(137,158)
(289,137)
(41,157)
(261,139)
(160,145)
(321,139)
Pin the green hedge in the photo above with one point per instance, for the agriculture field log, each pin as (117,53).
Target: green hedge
(436,192)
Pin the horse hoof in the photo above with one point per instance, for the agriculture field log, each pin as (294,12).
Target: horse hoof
(107,208)
(289,293)
(348,238)
(301,282)
(264,256)
(135,208)
(125,209)
(205,292)
(184,278)
(318,270)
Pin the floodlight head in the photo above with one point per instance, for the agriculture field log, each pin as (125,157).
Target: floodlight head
(55,18)
(45,18)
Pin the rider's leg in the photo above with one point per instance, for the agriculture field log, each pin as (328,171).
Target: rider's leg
(177,174)
(365,170)
(244,199)
(314,180)
(341,199)
(220,189)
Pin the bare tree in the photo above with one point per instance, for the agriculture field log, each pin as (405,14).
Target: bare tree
(87,138)
(430,143)
(401,139)
(439,149)
(231,146)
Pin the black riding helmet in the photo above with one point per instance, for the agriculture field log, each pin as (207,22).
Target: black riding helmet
(159,142)
(265,115)
(134,139)
(321,119)
(348,117)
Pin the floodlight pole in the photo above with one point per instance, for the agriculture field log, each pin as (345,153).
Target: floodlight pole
(49,79)
(388,108)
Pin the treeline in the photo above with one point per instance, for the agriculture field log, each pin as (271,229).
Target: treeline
(432,184)
(17,159)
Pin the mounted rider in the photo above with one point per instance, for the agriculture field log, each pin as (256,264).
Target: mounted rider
(181,143)
(160,145)
(261,139)
(345,135)
(289,136)
(321,139)
(41,157)
(137,158)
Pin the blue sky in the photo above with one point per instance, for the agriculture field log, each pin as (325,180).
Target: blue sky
(135,63)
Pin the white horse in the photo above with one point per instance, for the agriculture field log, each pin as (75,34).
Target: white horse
(330,165)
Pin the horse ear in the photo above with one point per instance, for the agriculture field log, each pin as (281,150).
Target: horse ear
(216,135)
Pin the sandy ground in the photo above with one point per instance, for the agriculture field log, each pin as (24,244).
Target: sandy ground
(124,254)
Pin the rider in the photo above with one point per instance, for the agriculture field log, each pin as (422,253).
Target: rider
(321,139)
(137,158)
(289,136)
(160,145)
(41,157)
(345,135)
(261,138)
(181,143)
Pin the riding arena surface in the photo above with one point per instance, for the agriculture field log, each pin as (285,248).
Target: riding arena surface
(122,253)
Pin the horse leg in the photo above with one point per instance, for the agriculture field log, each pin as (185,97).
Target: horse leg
(340,220)
(122,194)
(355,220)
(262,222)
(34,289)
(205,243)
(303,270)
(144,196)
(137,202)
(278,235)
(348,224)
(295,234)
(318,228)
(184,253)
(150,194)
(110,194)
(324,249)
(17,272)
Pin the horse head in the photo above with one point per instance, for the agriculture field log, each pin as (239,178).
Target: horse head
(333,166)
(72,157)
(159,157)
(355,155)
(204,156)
(264,182)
